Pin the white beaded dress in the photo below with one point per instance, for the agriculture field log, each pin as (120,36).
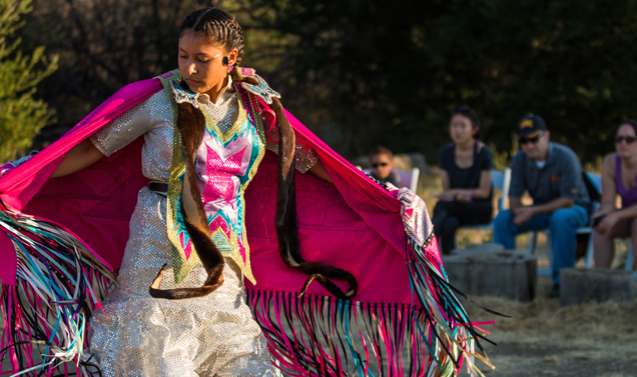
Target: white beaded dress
(138,335)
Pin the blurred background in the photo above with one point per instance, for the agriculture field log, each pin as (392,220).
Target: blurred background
(358,73)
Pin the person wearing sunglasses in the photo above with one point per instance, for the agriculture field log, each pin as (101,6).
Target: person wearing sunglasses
(552,175)
(619,177)
(465,171)
(380,160)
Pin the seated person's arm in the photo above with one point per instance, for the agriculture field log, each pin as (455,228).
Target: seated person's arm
(79,157)
(517,185)
(609,190)
(448,193)
(553,206)
(484,186)
(514,204)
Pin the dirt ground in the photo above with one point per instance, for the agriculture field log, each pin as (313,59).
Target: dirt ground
(544,339)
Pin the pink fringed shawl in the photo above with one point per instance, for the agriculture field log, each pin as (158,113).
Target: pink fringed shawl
(353,224)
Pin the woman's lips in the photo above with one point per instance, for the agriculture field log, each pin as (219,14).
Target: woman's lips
(192,82)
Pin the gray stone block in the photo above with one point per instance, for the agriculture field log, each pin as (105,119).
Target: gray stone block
(489,270)
(579,285)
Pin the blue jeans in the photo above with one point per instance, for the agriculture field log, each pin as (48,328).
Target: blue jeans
(563,225)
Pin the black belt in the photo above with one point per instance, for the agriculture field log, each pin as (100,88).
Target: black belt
(160,188)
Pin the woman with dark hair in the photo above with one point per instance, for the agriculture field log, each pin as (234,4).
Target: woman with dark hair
(465,171)
(214,272)
(619,177)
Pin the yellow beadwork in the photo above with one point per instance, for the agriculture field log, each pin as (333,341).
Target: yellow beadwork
(181,264)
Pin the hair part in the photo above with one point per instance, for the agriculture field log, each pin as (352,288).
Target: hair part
(218,27)
(631,123)
(378,150)
(470,114)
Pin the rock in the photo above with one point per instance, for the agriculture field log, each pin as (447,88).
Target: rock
(579,285)
(489,270)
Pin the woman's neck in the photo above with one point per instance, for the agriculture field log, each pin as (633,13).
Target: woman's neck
(465,145)
(216,91)
(630,162)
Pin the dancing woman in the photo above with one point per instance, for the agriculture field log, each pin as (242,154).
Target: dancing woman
(199,135)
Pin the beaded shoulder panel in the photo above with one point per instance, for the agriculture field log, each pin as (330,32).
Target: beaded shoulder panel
(262,89)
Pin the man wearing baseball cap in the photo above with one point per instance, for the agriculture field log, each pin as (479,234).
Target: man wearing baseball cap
(552,175)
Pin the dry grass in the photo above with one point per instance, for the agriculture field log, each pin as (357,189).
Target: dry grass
(543,338)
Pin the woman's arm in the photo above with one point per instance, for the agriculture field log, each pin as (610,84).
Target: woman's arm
(448,194)
(79,157)
(609,190)
(319,170)
(484,186)
(446,182)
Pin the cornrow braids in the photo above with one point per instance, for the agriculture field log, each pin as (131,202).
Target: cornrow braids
(218,26)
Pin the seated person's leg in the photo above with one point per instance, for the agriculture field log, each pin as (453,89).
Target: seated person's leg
(450,227)
(472,213)
(440,215)
(604,244)
(439,219)
(504,230)
(563,225)
(633,235)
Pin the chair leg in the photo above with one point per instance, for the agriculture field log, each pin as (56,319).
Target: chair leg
(589,251)
(629,259)
(532,242)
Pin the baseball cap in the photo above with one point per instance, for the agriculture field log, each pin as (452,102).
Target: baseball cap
(531,125)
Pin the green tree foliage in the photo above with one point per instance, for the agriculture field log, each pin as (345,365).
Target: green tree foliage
(361,73)
(21,115)
(390,71)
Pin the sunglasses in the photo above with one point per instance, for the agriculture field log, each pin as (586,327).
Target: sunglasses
(524,140)
(383,164)
(627,139)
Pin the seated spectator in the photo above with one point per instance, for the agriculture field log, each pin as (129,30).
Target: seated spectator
(465,171)
(552,175)
(380,160)
(619,177)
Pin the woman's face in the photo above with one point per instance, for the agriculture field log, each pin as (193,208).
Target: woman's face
(625,141)
(201,64)
(461,129)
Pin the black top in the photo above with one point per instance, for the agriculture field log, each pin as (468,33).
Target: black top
(468,178)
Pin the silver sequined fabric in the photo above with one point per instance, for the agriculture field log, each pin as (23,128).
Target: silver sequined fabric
(305,157)
(137,335)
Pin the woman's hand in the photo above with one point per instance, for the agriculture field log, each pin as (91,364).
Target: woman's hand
(607,223)
(464,196)
(447,196)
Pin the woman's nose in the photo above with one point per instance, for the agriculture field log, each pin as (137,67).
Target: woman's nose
(191,68)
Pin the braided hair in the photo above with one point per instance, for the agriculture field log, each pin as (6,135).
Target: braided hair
(220,28)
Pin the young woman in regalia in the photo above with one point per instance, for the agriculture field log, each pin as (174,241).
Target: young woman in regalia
(241,244)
